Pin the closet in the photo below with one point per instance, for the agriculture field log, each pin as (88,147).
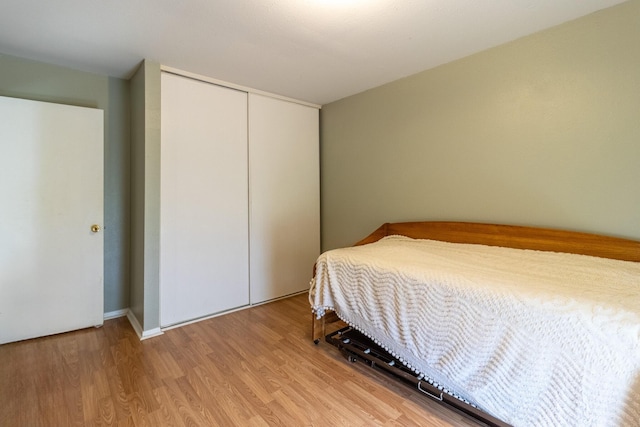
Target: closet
(240,213)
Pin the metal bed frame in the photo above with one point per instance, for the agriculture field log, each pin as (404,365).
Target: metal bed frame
(357,347)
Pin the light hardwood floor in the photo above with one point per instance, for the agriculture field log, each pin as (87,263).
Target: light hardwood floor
(255,367)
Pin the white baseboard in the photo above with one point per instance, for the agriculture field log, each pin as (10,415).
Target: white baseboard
(115,314)
(151,333)
(207,317)
(143,335)
(222,313)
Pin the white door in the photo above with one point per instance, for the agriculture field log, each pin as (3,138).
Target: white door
(204,241)
(285,196)
(51,193)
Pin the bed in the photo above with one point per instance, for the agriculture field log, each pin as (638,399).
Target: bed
(532,326)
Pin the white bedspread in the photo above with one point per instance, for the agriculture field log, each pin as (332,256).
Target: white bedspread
(534,338)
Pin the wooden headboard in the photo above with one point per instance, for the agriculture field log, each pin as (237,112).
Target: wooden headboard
(512,236)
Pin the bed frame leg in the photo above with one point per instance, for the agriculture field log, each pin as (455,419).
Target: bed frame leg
(317,329)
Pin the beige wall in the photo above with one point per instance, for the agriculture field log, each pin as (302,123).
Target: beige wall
(543,131)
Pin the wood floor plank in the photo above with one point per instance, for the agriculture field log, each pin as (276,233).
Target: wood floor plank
(169,413)
(376,407)
(106,413)
(254,367)
(182,402)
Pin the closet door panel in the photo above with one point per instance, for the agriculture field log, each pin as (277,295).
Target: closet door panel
(204,208)
(284,196)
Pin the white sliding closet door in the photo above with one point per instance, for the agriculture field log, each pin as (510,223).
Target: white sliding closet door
(204,207)
(284,196)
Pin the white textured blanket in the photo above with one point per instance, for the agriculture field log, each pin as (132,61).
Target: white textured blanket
(534,338)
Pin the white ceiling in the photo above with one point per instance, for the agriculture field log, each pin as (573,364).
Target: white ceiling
(313,50)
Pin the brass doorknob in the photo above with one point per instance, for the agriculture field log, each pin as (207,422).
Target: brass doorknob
(95,228)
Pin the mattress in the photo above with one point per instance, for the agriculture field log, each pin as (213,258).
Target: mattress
(531,337)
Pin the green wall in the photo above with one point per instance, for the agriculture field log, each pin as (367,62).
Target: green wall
(542,131)
(145,195)
(26,79)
